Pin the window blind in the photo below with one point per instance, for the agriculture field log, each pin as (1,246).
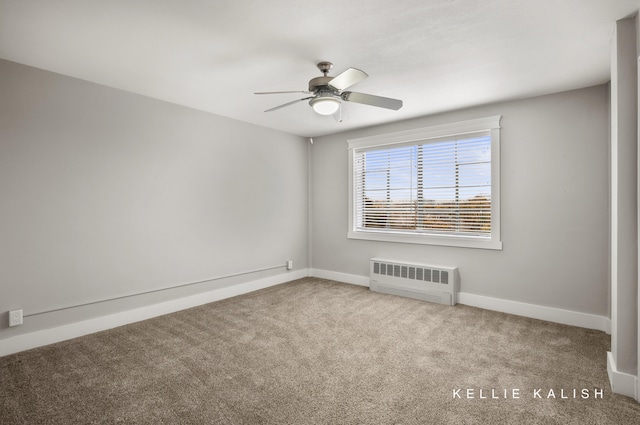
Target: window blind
(427,187)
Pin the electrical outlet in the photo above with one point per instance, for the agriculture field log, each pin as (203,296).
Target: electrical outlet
(15,317)
(289,264)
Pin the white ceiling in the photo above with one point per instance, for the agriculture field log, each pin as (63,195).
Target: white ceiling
(435,55)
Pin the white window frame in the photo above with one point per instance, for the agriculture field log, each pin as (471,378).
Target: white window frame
(490,124)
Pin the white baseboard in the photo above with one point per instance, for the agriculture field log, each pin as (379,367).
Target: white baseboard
(621,383)
(340,277)
(550,314)
(73,330)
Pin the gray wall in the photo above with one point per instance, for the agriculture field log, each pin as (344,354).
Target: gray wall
(104,193)
(554,205)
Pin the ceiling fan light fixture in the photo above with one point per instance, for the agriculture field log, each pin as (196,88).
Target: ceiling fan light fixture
(325,105)
(328,93)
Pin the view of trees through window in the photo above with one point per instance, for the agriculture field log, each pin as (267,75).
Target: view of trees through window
(434,187)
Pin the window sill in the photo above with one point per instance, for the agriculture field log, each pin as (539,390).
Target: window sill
(454,241)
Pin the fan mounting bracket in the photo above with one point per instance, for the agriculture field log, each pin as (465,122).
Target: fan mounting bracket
(325,67)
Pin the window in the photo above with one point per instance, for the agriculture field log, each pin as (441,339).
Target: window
(437,185)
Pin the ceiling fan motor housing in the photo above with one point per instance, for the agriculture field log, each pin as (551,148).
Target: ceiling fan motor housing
(320,84)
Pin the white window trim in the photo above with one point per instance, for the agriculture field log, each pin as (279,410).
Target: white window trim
(491,124)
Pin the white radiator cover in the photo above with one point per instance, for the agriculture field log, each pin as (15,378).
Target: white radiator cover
(425,282)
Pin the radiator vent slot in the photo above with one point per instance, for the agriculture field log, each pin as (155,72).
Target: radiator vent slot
(412,272)
(426,282)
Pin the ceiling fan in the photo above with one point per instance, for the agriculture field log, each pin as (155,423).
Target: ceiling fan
(328,92)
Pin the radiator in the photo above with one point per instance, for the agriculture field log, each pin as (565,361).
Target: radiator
(421,281)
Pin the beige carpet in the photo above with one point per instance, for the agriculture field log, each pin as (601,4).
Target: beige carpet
(318,352)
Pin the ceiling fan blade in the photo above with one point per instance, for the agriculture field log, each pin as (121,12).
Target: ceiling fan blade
(281,92)
(348,78)
(369,99)
(289,103)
